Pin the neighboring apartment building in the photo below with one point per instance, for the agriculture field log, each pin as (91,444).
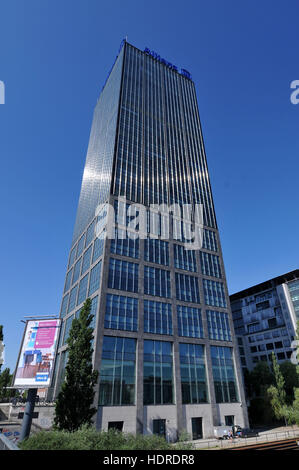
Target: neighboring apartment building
(265,318)
(163,333)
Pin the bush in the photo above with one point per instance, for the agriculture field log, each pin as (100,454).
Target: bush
(87,438)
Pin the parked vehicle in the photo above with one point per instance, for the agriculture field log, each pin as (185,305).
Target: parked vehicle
(244,432)
(227,432)
(222,432)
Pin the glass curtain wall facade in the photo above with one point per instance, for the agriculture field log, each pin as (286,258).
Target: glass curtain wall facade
(161,307)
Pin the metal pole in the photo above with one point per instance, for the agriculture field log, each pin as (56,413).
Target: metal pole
(28,413)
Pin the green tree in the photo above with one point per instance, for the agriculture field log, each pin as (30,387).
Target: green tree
(5,381)
(73,407)
(292,412)
(291,379)
(260,378)
(257,382)
(277,391)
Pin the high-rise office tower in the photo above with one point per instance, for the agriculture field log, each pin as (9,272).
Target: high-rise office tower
(163,333)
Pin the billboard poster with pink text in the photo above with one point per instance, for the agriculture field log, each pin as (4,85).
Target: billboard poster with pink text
(37,354)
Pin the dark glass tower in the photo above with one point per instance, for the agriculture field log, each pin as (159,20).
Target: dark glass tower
(163,335)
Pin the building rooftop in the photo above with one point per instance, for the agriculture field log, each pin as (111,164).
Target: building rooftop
(276,281)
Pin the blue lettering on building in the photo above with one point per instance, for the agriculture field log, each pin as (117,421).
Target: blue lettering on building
(156,56)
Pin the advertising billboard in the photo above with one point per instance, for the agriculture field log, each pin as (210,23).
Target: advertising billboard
(37,354)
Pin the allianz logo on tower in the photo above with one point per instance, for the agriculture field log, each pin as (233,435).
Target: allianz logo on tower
(124,219)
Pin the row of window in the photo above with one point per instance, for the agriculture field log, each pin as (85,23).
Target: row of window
(124,275)
(281,356)
(85,288)
(83,263)
(267,335)
(157,251)
(66,325)
(117,385)
(122,314)
(83,242)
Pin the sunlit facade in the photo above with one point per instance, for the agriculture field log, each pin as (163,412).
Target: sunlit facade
(265,319)
(163,333)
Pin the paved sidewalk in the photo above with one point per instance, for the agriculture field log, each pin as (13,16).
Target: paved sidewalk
(275,434)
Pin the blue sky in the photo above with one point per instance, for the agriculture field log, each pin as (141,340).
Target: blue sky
(54,59)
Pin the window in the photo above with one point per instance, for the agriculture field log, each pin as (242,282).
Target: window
(68,280)
(156,282)
(156,251)
(262,305)
(98,248)
(121,313)
(218,325)
(189,322)
(64,305)
(229,420)
(272,322)
(117,372)
(210,264)
(157,317)
(123,245)
(184,258)
(72,256)
(80,246)
(159,427)
(61,370)
(193,373)
(117,425)
(93,310)
(86,260)
(224,374)
(90,234)
(95,277)
(82,290)
(187,288)
(158,374)
(214,293)
(209,240)
(73,296)
(76,273)
(67,328)
(123,275)
(281,356)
